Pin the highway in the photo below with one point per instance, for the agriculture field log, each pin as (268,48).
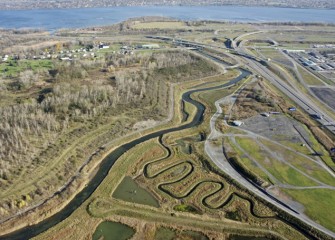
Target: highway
(299,98)
(253,62)
(216,154)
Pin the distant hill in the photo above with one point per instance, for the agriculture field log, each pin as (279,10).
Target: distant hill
(37,4)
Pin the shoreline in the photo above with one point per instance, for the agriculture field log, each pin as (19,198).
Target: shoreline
(91,17)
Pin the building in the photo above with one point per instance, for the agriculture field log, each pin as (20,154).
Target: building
(103,46)
(308,63)
(326,67)
(316,68)
(293,51)
(331,65)
(237,123)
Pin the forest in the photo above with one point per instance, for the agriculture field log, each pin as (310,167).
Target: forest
(46,108)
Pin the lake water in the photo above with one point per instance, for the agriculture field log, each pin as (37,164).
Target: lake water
(53,19)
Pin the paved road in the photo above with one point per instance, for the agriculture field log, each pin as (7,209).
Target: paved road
(238,38)
(216,154)
(298,97)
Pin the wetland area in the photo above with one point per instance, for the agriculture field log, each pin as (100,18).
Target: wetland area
(155,128)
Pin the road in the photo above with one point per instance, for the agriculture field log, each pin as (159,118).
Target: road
(216,154)
(298,97)
(252,62)
(238,38)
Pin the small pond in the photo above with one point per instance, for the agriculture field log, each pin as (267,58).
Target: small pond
(129,191)
(113,231)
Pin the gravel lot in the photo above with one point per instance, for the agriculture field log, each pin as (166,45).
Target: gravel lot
(276,127)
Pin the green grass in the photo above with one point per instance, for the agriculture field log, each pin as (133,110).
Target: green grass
(211,97)
(296,46)
(185,208)
(248,163)
(319,204)
(276,56)
(112,47)
(296,146)
(309,78)
(281,171)
(304,164)
(320,149)
(111,208)
(13,68)
(261,44)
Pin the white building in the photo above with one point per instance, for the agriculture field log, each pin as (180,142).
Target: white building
(237,123)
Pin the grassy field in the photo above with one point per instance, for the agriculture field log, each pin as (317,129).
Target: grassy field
(317,202)
(13,68)
(309,78)
(281,171)
(248,163)
(277,56)
(301,162)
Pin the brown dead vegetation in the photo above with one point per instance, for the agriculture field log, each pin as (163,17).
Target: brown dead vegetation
(255,99)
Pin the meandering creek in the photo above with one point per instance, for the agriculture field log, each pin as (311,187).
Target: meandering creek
(105,166)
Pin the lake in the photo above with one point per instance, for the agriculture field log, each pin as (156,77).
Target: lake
(53,19)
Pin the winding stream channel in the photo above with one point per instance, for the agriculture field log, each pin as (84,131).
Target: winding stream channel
(105,166)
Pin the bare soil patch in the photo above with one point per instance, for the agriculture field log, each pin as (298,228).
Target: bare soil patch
(253,100)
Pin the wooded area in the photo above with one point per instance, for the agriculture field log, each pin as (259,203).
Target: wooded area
(45,109)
